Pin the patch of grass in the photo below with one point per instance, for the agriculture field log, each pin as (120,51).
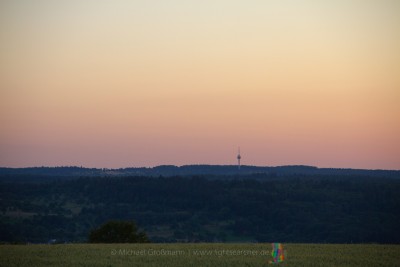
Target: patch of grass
(203,254)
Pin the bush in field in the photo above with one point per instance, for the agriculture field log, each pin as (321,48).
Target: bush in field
(117,232)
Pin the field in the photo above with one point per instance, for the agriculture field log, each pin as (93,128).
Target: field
(203,254)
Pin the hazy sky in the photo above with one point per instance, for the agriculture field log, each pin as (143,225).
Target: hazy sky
(143,83)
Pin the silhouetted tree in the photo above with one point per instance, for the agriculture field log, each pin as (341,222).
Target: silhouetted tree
(118,232)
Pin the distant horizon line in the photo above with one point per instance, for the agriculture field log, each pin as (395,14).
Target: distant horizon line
(199,164)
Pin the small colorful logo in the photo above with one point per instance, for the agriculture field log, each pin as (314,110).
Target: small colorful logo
(277,253)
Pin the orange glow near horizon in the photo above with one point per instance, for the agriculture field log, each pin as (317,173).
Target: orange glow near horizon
(144,83)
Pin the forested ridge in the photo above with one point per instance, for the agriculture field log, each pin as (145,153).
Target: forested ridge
(50,173)
(208,208)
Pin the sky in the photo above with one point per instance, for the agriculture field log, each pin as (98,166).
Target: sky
(143,83)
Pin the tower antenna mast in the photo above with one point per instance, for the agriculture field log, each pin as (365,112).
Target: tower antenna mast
(239,158)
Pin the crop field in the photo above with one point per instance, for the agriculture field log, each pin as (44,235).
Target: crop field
(203,254)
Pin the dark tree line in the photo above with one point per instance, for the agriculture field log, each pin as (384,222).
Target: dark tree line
(262,207)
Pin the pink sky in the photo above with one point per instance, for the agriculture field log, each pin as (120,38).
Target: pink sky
(133,83)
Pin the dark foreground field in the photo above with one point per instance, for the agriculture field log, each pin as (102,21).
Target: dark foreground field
(204,254)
